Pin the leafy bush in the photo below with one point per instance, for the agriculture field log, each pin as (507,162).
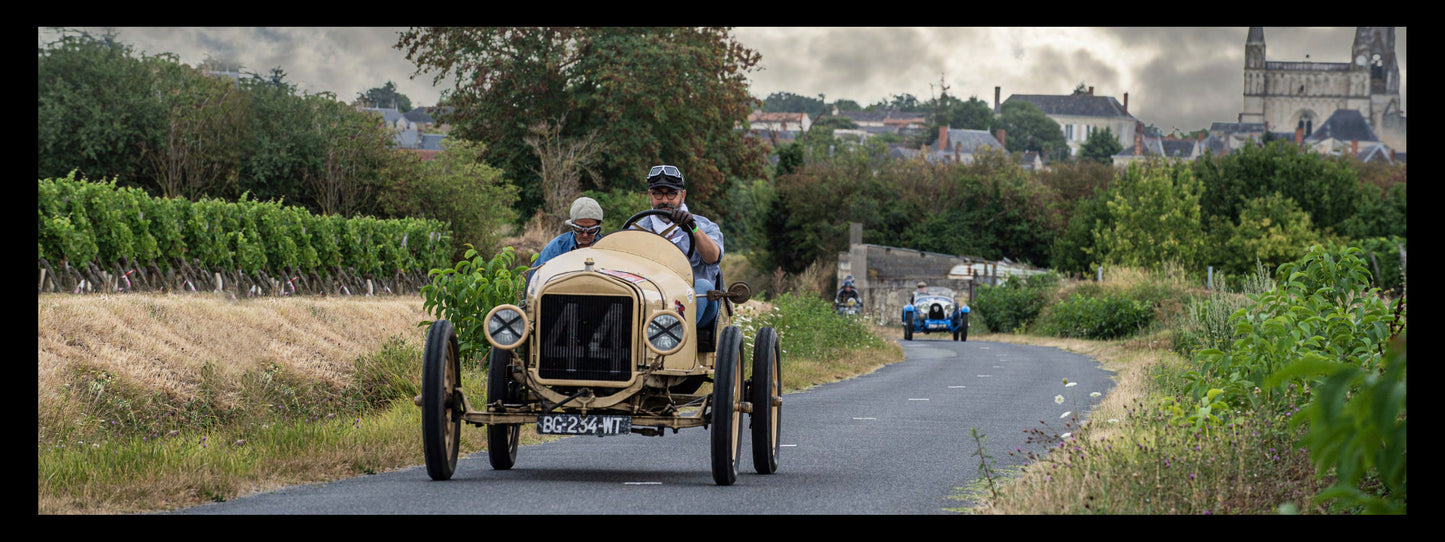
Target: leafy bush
(1108,317)
(1356,421)
(1322,307)
(1012,306)
(466,292)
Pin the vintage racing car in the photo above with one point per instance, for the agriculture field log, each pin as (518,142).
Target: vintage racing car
(935,311)
(605,342)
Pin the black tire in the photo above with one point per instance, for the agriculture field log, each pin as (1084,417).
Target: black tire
(908,327)
(963,331)
(767,395)
(441,420)
(502,438)
(727,387)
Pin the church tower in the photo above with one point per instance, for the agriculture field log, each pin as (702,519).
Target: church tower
(1255,81)
(1374,50)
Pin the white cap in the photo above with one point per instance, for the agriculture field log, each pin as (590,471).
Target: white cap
(586,207)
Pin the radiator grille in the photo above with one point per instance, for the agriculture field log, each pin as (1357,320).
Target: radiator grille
(585,337)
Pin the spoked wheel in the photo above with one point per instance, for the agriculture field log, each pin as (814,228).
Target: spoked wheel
(727,389)
(502,437)
(441,418)
(908,327)
(767,399)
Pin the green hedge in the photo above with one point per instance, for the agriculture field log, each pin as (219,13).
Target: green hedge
(82,221)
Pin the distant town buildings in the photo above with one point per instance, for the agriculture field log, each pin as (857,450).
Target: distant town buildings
(1327,107)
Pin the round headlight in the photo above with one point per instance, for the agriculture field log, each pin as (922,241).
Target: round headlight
(506,327)
(665,332)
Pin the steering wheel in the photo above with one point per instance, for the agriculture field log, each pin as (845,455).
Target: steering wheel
(666,234)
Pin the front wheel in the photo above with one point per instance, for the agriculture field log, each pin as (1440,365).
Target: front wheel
(767,399)
(727,390)
(908,327)
(441,421)
(963,330)
(502,437)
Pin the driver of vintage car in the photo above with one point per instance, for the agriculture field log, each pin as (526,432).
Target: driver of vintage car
(666,191)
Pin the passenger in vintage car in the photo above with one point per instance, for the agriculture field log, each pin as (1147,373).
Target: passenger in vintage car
(666,190)
(585,227)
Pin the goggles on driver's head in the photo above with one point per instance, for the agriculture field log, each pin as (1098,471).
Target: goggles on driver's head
(664,176)
(664,170)
(585,230)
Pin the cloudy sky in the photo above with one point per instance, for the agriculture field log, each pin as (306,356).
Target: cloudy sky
(1176,77)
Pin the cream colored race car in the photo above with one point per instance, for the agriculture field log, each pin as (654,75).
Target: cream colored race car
(605,343)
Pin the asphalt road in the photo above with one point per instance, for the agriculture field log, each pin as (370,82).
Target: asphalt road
(895,441)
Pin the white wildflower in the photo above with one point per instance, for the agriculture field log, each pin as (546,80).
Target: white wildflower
(1095,394)
(1065,414)
(1071,384)
(1058,399)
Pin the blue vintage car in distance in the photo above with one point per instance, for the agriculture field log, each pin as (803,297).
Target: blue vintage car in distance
(935,312)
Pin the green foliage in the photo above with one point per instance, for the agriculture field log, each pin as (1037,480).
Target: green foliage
(654,95)
(385,96)
(457,188)
(1028,129)
(1207,319)
(463,294)
(746,229)
(97,108)
(1155,219)
(1072,250)
(809,329)
(1384,259)
(1109,316)
(1325,188)
(1356,420)
(1011,307)
(787,102)
(1379,212)
(986,209)
(1321,308)
(790,158)
(620,205)
(82,221)
(1200,416)
(950,112)
(1270,229)
(1101,146)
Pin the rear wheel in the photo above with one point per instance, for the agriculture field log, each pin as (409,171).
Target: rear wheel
(441,419)
(727,390)
(502,437)
(767,399)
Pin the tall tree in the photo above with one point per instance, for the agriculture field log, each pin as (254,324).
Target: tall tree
(97,108)
(206,117)
(1027,128)
(787,102)
(384,96)
(653,95)
(952,112)
(1156,219)
(1101,146)
(562,164)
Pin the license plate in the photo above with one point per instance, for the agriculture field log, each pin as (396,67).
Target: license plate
(602,425)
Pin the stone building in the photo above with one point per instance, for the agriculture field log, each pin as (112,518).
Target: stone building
(1295,96)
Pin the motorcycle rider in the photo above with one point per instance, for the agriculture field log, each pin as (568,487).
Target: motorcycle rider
(847,292)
